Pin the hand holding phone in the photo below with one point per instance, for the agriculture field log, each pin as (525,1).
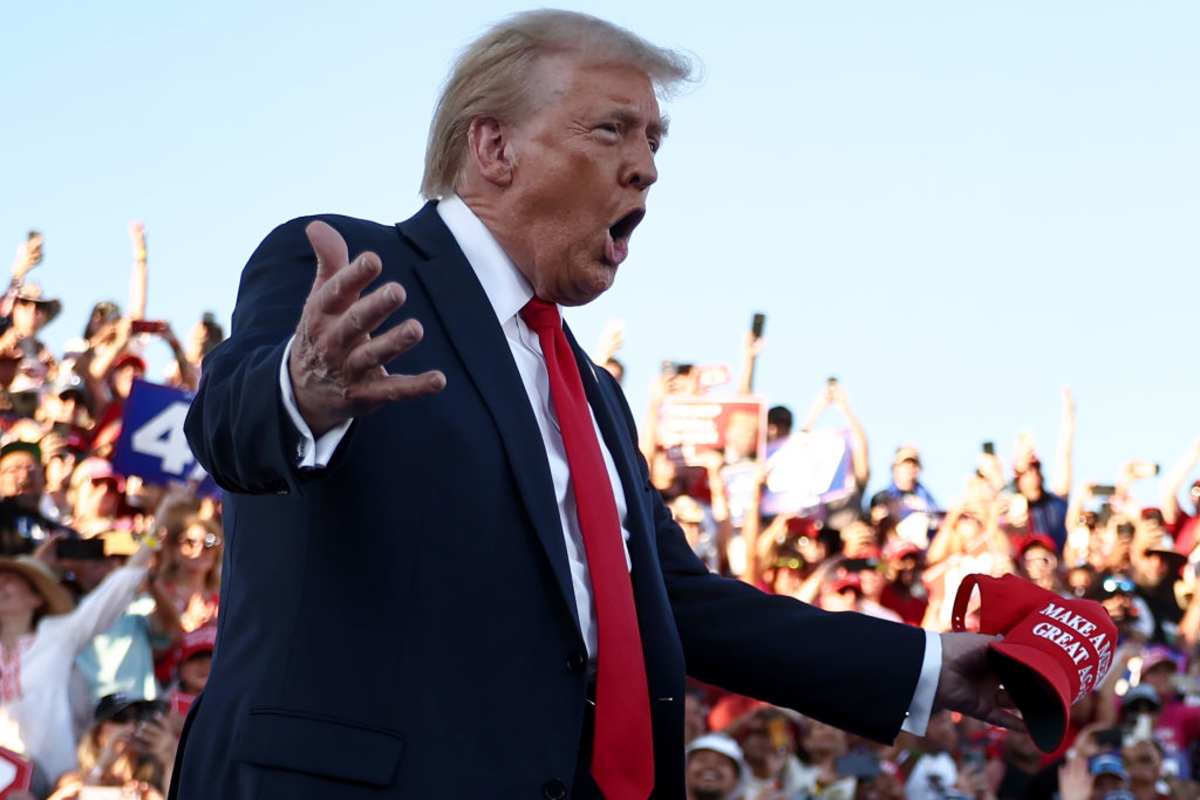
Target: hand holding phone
(758,324)
(29,255)
(80,549)
(148,326)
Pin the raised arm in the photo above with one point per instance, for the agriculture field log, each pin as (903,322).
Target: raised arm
(819,404)
(752,346)
(139,277)
(1173,480)
(1066,446)
(859,454)
(29,255)
(187,371)
(101,607)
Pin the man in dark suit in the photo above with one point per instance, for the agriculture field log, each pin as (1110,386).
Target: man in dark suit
(447,574)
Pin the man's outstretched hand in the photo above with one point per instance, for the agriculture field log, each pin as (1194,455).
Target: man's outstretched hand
(336,366)
(968,684)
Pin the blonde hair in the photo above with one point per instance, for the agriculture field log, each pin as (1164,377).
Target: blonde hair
(492,78)
(169,556)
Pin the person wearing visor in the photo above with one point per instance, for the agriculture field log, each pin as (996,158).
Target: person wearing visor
(1108,774)
(1118,594)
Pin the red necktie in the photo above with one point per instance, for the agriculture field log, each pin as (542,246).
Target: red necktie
(623,751)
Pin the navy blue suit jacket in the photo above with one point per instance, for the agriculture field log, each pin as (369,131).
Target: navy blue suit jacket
(402,625)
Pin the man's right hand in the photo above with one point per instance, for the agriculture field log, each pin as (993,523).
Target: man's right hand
(336,366)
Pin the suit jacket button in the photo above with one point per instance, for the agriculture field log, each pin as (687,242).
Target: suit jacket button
(577,662)
(554,790)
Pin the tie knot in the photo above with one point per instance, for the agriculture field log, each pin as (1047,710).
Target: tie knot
(540,315)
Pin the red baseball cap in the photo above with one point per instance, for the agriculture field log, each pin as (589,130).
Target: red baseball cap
(1054,649)
(201,640)
(126,359)
(1038,540)
(846,582)
(900,548)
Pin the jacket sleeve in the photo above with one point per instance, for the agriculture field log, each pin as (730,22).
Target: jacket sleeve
(238,427)
(849,670)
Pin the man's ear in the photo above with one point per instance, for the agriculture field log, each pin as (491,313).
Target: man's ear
(491,150)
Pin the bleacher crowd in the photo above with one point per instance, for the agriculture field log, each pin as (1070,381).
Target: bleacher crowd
(109,584)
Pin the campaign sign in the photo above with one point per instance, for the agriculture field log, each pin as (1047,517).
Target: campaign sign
(16,773)
(735,427)
(807,470)
(153,445)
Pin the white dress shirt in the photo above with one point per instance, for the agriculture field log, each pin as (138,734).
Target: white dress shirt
(508,291)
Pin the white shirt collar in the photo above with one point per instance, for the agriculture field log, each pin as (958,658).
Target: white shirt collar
(506,288)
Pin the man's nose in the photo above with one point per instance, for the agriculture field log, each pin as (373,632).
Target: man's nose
(641,173)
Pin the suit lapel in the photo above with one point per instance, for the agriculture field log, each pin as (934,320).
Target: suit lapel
(476,336)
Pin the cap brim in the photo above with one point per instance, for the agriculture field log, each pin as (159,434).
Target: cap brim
(1035,682)
(1170,555)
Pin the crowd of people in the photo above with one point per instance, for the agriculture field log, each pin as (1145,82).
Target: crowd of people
(109,585)
(895,551)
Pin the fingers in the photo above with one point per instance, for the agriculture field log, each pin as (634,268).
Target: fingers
(337,294)
(364,316)
(1005,719)
(377,352)
(329,247)
(392,388)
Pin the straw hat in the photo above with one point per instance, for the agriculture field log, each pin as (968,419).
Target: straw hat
(58,600)
(32,293)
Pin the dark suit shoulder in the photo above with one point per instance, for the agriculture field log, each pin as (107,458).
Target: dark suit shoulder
(353,230)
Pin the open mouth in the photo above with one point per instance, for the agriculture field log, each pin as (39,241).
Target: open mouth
(617,246)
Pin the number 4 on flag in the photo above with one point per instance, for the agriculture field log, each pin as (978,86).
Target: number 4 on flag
(162,437)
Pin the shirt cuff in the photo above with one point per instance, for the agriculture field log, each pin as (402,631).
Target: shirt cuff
(916,720)
(311,453)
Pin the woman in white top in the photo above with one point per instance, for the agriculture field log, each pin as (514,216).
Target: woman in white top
(40,636)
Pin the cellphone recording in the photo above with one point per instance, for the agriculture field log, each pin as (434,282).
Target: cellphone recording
(757,324)
(148,326)
(1104,490)
(989,448)
(80,549)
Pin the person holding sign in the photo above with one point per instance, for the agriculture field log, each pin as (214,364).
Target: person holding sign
(442,512)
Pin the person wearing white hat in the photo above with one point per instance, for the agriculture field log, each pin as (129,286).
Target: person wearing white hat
(715,768)
(41,633)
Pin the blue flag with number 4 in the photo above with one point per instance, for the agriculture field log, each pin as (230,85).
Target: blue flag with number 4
(153,445)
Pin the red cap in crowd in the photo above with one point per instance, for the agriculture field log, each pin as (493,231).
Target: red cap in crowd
(898,549)
(127,358)
(846,582)
(201,640)
(1055,650)
(1037,540)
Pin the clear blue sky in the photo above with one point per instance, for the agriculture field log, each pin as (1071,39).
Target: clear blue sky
(957,208)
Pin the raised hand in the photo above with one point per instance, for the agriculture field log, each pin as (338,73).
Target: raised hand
(137,236)
(336,366)
(29,255)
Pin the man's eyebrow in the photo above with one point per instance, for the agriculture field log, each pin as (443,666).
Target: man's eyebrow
(657,128)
